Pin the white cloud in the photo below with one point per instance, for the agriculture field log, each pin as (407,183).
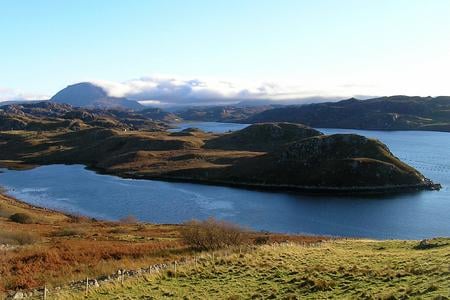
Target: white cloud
(166,90)
(7,94)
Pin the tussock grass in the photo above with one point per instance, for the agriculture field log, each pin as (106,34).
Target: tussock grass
(342,269)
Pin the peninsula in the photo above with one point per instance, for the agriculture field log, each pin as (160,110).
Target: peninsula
(283,156)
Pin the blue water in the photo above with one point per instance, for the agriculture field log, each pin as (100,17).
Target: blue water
(215,127)
(411,216)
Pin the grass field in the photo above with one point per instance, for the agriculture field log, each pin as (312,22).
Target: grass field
(53,249)
(343,269)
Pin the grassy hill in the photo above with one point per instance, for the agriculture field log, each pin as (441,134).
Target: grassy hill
(262,137)
(341,269)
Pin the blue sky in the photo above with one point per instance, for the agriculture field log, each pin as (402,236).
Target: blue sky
(275,49)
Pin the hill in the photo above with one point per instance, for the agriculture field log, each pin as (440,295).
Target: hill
(230,113)
(385,113)
(86,94)
(262,137)
(154,113)
(340,161)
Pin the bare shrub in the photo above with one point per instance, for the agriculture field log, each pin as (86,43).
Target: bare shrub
(130,219)
(18,238)
(77,218)
(261,240)
(69,232)
(119,230)
(212,234)
(22,218)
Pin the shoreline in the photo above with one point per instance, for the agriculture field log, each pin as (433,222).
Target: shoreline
(428,185)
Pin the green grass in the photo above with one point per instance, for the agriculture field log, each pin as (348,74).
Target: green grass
(343,269)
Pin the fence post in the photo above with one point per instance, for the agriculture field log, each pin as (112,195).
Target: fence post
(195,262)
(175,267)
(87,285)
(45,292)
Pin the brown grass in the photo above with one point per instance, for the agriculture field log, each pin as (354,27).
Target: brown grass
(62,248)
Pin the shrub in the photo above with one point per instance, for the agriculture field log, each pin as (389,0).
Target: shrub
(212,234)
(20,238)
(69,232)
(22,218)
(77,218)
(261,240)
(130,219)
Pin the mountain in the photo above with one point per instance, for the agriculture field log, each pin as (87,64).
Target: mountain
(86,94)
(385,113)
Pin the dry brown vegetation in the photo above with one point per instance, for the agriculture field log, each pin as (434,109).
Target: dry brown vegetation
(58,248)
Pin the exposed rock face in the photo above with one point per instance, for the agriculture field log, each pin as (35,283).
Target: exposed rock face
(86,94)
(263,137)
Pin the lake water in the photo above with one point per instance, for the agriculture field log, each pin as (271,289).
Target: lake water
(215,127)
(409,216)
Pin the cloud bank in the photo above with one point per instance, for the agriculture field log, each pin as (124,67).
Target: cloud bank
(159,90)
(7,94)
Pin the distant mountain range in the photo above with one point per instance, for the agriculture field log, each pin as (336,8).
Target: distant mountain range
(385,113)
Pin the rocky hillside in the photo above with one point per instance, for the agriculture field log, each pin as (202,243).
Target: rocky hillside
(47,115)
(385,113)
(158,114)
(86,94)
(221,113)
(335,161)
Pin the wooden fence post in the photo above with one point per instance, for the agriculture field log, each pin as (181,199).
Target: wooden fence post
(195,262)
(45,292)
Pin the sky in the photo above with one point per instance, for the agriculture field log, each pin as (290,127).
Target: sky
(172,51)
